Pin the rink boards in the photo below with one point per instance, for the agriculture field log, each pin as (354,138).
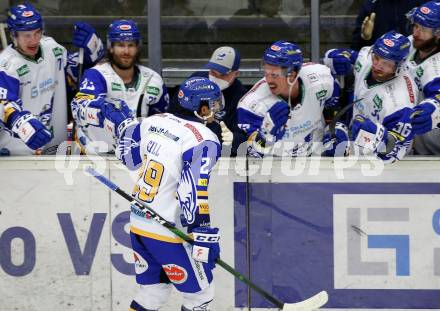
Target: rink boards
(368,236)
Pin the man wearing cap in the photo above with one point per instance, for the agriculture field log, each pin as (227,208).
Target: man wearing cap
(119,79)
(224,70)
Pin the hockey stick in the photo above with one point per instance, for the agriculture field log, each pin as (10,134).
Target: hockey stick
(312,303)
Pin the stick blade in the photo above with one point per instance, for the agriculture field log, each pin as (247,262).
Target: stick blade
(312,303)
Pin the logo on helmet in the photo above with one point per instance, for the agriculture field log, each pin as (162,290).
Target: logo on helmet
(180,94)
(388,42)
(27,14)
(125,27)
(275,48)
(425,10)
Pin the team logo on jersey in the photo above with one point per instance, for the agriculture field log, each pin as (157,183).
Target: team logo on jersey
(186,193)
(27,14)
(21,71)
(125,27)
(425,10)
(388,42)
(140,264)
(175,273)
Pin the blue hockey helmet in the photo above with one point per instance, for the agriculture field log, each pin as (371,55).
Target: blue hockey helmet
(284,54)
(426,15)
(196,90)
(24,17)
(392,46)
(122,30)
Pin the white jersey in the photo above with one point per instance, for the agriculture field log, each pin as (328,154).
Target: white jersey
(147,96)
(39,87)
(168,148)
(381,100)
(306,122)
(424,75)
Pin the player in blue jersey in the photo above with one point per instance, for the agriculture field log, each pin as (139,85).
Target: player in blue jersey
(119,78)
(32,82)
(174,155)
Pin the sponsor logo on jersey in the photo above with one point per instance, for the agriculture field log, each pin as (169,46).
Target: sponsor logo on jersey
(358,66)
(140,264)
(196,133)
(204,181)
(425,10)
(116,86)
(21,71)
(388,42)
(3,93)
(163,132)
(377,103)
(175,273)
(152,90)
(313,77)
(321,94)
(57,51)
(410,89)
(204,209)
(420,72)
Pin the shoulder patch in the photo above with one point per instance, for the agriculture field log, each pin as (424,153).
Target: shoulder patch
(57,51)
(321,94)
(152,90)
(358,66)
(21,71)
(419,72)
(313,77)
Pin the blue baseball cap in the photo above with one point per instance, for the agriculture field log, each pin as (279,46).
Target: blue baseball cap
(224,59)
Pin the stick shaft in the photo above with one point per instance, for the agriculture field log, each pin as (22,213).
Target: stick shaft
(112,186)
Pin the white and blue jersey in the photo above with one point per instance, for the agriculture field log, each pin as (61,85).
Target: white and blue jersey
(38,86)
(175,158)
(426,74)
(388,103)
(306,122)
(147,96)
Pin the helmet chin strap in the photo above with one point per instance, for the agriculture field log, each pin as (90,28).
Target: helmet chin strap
(291,84)
(205,118)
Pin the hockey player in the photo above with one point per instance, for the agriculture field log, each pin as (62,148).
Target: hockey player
(282,113)
(175,154)
(423,65)
(121,77)
(32,83)
(383,95)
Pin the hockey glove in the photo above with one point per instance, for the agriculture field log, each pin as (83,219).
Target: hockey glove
(206,246)
(91,112)
(426,116)
(336,144)
(275,120)
(340,60)
(118,116)
(84,36)
(29,129)
(227,135)
(368,136)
